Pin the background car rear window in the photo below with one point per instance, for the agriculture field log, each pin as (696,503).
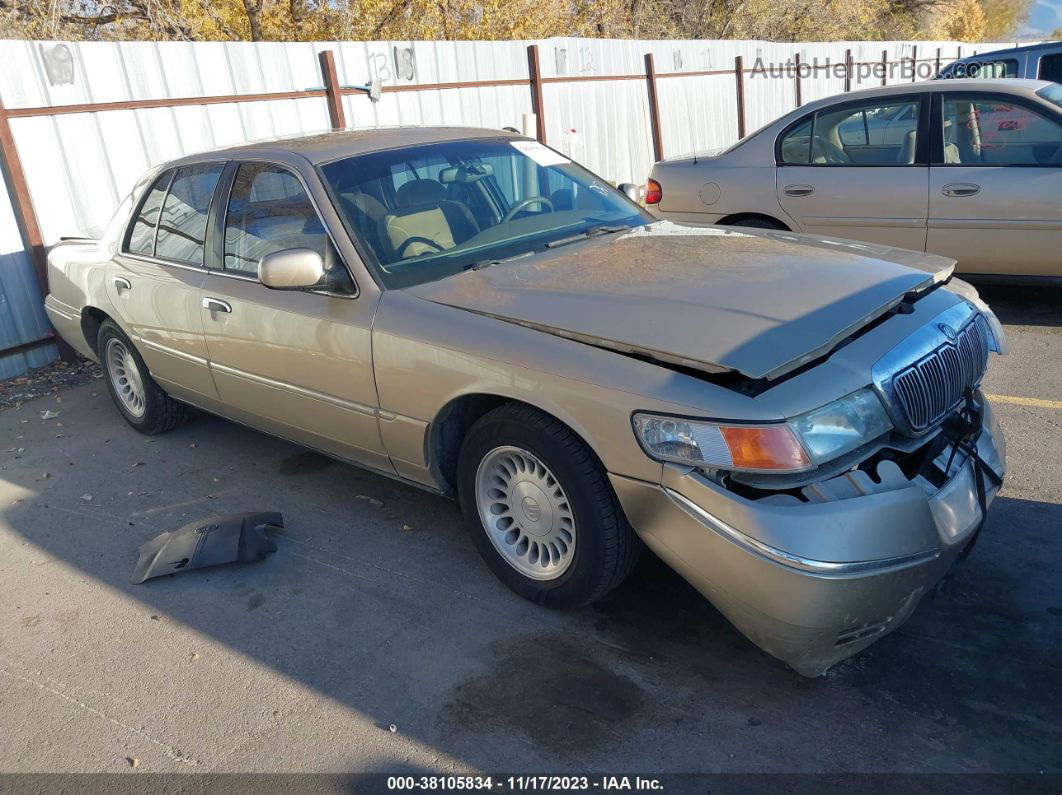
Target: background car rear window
(268,211)
(142,233)
(986,70)
(182,227)
(990,132)
(874,134)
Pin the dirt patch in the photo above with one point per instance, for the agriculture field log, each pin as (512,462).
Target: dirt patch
(49,380)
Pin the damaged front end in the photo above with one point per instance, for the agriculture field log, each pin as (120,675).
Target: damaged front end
(814,563)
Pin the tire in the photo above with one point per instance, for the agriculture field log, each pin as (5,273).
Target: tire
(140,400)
(757,222)
(600,548)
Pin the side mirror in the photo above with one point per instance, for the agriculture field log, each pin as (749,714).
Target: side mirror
(291,269)
(634,192)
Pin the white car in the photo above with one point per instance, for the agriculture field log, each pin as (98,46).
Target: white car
(971,169)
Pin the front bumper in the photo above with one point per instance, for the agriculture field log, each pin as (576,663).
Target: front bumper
(813,583)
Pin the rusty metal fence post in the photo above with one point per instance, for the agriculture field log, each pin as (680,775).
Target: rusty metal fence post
(21,203)
(914,63)
(739,78)
(884,67)
(331,82)
(799,99)
(847,70)
(654,107)
(28,227)
(534,74)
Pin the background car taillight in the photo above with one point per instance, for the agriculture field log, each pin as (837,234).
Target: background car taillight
(653,192)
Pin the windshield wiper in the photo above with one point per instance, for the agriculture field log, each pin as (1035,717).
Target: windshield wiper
(593,231)
(486,263)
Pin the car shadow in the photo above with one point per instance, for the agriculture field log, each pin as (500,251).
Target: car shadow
(1022,304)
(376,601)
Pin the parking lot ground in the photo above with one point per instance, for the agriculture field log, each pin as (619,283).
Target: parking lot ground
(376,640)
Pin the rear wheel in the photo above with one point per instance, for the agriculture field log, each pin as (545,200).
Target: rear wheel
(141,401)
(540,509)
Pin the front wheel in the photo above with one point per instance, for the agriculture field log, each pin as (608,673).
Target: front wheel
(540,509)
(141,401)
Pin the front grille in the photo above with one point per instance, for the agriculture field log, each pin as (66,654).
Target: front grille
(935,384)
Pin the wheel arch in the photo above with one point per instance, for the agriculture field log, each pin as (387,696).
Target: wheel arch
(92,317)
(733,218)
(448,429)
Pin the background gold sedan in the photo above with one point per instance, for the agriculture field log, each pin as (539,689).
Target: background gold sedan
(971,169)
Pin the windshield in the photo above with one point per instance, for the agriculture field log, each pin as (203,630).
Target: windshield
(426,212)
(1052,93)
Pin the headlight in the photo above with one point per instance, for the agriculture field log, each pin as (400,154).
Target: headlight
(801,444)
(760,448)
(997,339)
(842,426)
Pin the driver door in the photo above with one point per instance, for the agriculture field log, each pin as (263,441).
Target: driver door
(296,363)
(846,171)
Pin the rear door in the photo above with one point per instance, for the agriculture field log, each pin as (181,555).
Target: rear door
(995,184)
(859,170)
(153,281)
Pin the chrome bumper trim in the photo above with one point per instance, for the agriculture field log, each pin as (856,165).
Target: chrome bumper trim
(818,567)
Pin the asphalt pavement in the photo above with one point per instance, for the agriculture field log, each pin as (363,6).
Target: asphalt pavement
(376,640)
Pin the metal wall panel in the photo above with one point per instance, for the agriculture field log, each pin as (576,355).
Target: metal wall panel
(79,166)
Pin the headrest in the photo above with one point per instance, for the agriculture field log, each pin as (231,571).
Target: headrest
(420,191)
(367,204)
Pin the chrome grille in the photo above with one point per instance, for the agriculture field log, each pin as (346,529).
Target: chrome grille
(934,385)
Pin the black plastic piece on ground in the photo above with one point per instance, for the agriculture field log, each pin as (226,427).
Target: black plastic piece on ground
(239,538)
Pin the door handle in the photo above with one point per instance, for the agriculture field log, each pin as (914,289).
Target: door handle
(216,305)
(122,283)
(960,189)
(798,190)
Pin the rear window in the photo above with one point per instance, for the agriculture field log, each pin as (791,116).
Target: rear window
(141,238)
(984,70)
(170,223)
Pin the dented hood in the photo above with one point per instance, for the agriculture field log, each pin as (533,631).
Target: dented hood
(760,303)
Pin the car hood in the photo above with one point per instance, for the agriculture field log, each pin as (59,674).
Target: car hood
(760,303)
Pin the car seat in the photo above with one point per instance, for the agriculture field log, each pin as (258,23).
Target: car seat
(425,221)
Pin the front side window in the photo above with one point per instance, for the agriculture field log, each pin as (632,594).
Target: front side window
(423,213)
(182,226)
(141,238)
(984,131)
(269,210)
(874,134)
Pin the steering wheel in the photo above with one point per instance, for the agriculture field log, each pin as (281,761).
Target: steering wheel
(405,244)
(525,203)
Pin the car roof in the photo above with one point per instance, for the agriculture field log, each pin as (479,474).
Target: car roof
(326,146)
(1003,86)
(981,56)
